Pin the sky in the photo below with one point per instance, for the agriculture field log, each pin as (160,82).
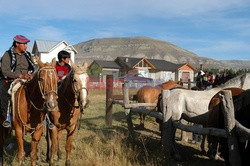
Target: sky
(217,29)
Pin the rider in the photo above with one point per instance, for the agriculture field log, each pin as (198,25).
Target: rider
(62,65)
(15,63)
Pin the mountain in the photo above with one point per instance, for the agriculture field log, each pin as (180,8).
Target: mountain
(110,48)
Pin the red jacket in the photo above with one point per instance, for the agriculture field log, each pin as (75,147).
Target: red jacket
(62,70)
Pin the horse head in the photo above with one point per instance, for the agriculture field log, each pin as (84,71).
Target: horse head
(47,81)
(80,83)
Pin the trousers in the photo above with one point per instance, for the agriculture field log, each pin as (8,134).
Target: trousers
(4,96)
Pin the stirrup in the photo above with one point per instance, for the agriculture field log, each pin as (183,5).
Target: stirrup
(6,124)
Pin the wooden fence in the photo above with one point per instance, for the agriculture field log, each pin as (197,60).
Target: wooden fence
(230,123)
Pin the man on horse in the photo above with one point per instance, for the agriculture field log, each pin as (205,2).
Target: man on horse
(15,63)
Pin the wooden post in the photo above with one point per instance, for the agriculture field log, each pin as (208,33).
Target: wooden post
(109,99)
(168,131)
(228,110)
(127,111)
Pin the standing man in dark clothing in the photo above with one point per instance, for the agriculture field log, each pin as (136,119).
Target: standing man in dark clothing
(15,63)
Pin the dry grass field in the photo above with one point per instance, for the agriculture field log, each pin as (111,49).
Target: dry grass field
(96,144)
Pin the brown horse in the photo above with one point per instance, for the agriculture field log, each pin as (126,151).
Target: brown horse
(72,100)
(149,94)
(215,118)
(32,101)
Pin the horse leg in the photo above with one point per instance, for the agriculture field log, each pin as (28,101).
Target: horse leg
(142,117)
(48,143)
(54,145)
(168,139)
(36,136)
(68,145)
(59,152)
(203,144)
(212,148)
(19,138)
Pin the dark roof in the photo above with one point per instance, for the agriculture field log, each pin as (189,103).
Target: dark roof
(157,63)
(130,61)
(163,65)
(107,64)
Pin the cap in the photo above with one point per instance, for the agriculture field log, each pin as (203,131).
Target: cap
(21,39)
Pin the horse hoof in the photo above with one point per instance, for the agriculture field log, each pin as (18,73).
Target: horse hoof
(67,163)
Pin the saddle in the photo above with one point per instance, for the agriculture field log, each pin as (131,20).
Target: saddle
(14,86)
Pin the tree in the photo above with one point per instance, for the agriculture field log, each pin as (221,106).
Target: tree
(95,70)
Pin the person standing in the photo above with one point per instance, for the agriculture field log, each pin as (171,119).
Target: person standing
(62,66)
(15,63)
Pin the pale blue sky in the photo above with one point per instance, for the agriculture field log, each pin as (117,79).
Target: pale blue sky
(218,29)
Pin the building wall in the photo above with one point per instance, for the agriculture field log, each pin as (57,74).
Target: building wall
(47,57)
(191,74)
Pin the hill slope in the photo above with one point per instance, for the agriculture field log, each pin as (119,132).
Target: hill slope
(110,48)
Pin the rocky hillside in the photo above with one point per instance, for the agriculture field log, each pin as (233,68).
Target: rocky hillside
(110,48)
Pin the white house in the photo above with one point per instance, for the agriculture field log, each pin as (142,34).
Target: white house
(47,49)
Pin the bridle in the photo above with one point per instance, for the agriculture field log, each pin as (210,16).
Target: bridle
(49,72)
(77,92)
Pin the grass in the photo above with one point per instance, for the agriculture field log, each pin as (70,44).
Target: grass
(97,144)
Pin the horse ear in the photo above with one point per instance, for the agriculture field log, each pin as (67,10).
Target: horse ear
(85,65)
(39,62)
(54,62)
(72,64)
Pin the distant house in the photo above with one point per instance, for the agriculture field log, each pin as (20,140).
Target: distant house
(153,68)
(108,68)
(47,49)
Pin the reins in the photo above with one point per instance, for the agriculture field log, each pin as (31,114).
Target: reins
(48,73)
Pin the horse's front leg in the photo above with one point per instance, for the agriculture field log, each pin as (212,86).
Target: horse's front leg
(36,136)
(68,145)
(59,152)
(54,145)
(19,138)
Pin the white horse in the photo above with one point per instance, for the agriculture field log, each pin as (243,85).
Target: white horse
(193,105)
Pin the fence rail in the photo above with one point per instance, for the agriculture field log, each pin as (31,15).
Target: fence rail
(168,123)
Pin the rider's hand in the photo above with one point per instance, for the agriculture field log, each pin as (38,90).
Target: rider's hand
(25,76)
